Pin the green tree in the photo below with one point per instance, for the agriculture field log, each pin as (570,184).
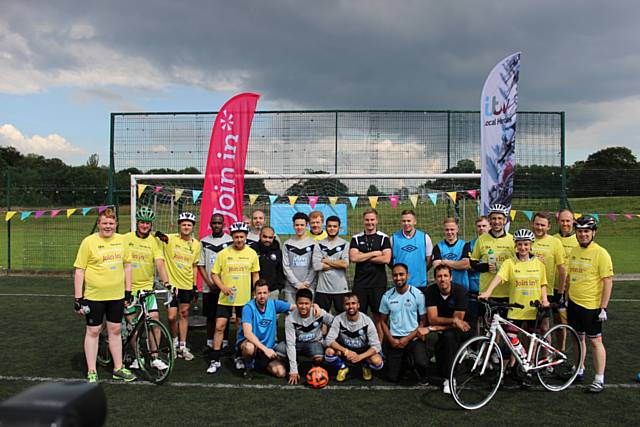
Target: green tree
(317,187)
(373,191)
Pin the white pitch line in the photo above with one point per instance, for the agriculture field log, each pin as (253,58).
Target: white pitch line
(282,387)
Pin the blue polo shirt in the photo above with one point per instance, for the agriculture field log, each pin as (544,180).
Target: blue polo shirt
(403,310)
(263,323)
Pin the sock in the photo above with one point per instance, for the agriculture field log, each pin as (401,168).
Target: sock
(175,341)
(215,355)
(374,367)
(209,343)
(334,361)
(581,371)
(183,344)
(225,343)
(599,378)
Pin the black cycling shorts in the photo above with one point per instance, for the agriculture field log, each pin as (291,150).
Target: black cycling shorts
(369,298)
(185,296)
(112,309)
(210,304)
(584,320)
(226,311)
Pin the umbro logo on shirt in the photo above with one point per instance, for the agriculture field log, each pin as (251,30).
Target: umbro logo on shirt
(409,248)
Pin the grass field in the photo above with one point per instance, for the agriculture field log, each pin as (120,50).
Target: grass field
(42,338)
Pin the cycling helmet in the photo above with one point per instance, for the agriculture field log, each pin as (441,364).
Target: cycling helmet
(239,226)
(498,208)
(586,222)
(524,234)
(146,214)
(186,216)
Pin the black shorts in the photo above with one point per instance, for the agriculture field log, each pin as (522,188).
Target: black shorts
(210,304)
(185,296)
(226,311)
(113,310)
(261,360)
(325,301)
(584,320)
(369,298)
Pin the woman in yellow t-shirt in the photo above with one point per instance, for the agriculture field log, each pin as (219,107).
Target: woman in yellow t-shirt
(102,282)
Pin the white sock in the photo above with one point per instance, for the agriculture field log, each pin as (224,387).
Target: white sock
(183,344)
(600,378)
(175,341)
(209,343)
(581,371)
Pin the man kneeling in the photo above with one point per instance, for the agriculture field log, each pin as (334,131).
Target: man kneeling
(353,338)
(257,337)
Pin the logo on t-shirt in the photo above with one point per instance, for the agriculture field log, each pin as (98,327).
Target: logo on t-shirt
(409,248)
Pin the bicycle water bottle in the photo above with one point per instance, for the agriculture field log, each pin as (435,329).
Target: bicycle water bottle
(491,258)
(519,348)
(232,298)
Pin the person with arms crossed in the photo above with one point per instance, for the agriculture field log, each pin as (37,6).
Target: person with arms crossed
(453,252)
(316,221)
(270,257)
(102,283)
(146,256)
(303,334)
(403,307)
(297,259)
(211,246)
(181,254)
(589,285)
(370,251)
(446,313)
(331,262)
(234,272)
(413,248)
(482,226)
(353,338)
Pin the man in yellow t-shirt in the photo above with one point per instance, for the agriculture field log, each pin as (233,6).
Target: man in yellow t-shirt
(495,243)
(589,283)
(181,254)
(566,234)
(234,272)
(102,282)
(316,222)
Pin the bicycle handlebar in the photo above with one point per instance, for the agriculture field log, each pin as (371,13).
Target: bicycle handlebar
(538,304)
(493,303)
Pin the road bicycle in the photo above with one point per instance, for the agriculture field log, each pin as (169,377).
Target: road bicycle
(478,367)
(144,340)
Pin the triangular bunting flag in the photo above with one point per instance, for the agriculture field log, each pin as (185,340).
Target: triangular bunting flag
(141,188)
(512,214)
(354,201)
(102,209)
(628,216)
(38,214)
(394,201)
(333,200)
(414,200)
(157,189)
(70,212)
(596,216)
(196,195)
(452,195)
(576,215)
(312,201)
(473,193)
(433,197)
(178,193)
(9,215)
(528,214)
(24,215)
(54,213)
(292,200)
(252,198)
(272,198)
(373,201)
(85,211)
(613,217)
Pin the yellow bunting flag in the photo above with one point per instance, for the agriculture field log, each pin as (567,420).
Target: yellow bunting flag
(178,193)
(252,198)
(333,200)
(577,215)
(452,195)
(373,201)
(70,212)
(414,200)
(9,215)
(512,214)
(141,188)
(292,200)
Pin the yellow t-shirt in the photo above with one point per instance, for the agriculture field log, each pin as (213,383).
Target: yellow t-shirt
(143,253)
(180,257)
(568,243)
(234,268)
(317,237)
(504,249)
(103,262)
(525,280)
(587,267)
(551,249)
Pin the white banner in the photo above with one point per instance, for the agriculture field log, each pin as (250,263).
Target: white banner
(498,118)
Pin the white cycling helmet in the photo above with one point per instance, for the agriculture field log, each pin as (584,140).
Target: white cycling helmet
(239,226)
(186,216)
(498,208)
(524,234)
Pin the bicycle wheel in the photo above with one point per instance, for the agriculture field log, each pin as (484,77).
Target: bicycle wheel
(154,351)
(470,387)
(558,364)
(104,355)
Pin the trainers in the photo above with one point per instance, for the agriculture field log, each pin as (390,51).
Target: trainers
(239,362)
(214,367)
(185,354)
(423,382)
(159,365)
(446,389)
(595,387)
(134,364)
(123,374)
(247,374)
(342,374)
(366,374)
(92,377)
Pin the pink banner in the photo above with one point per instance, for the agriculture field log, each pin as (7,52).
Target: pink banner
(224,178)
(394,201)
(312,201)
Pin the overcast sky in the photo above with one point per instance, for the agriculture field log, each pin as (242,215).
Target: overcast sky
(65,65)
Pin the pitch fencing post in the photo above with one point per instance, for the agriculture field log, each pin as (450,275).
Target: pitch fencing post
(8,197)
(563,167)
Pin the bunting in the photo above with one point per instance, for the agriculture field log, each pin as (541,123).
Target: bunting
(373,201)
(394,201)
(312,201)
(196,195)
(141,188)
(452,195)
(178,193)
(70,212)
(333,200)
(272,198)
(24,215)
(292,200)
(252,198)
(414,200)
(85,211)
(433,197)
(354,201)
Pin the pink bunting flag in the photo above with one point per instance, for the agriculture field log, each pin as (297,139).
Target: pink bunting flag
(54,213)
(102,208)
(613,217)
(472,193)
(157,189)
(312,201)
(38,214)
(628,216)
(394,201)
